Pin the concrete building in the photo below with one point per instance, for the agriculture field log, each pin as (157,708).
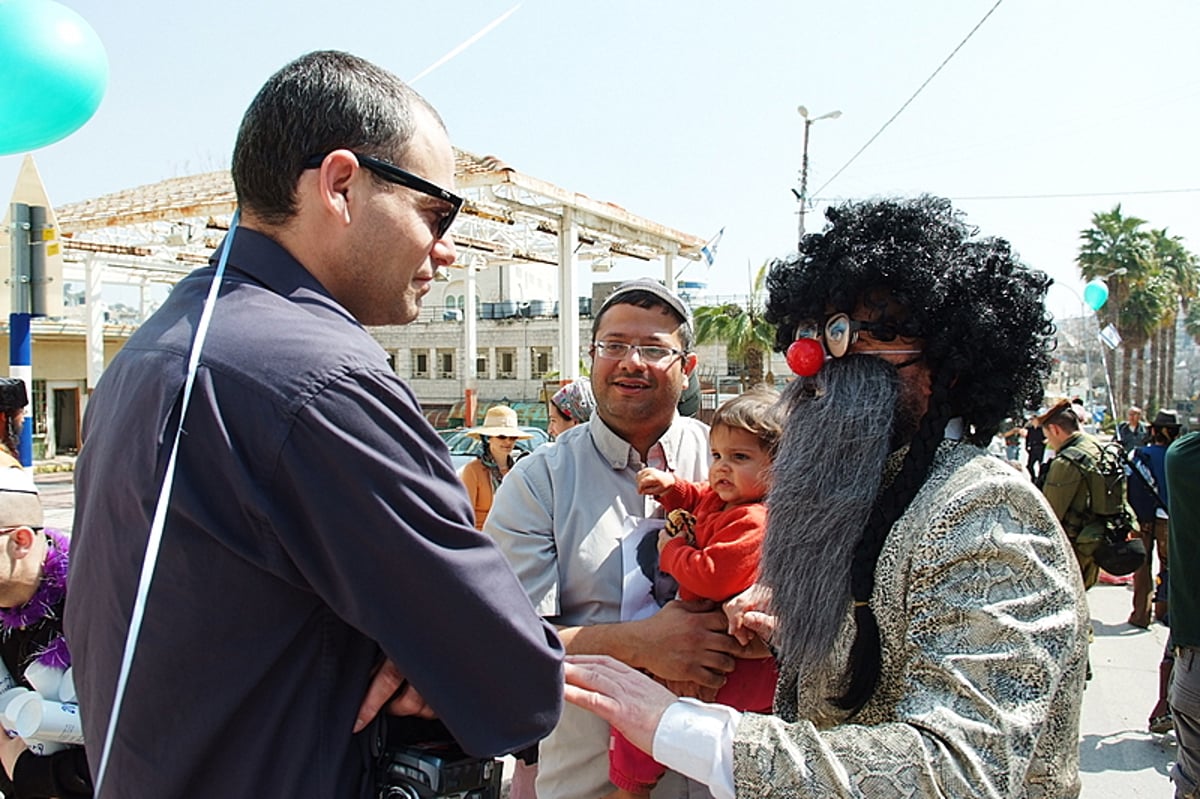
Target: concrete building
(527,249)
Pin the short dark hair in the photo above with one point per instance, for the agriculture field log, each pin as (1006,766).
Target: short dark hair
(1066,418)
(322,101)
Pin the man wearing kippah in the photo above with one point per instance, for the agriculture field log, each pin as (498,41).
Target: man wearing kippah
(562,514)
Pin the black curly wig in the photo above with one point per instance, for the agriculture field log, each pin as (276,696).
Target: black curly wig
(987,343)
(980,311)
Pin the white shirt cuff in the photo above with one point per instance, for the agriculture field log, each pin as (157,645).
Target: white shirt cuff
(696,739)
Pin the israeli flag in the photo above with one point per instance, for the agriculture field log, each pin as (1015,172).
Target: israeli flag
(709,251)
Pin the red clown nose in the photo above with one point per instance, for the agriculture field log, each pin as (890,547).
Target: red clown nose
(805,356)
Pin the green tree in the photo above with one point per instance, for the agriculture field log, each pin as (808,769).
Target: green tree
(1148,300)
(745,333)
(1180,268)
(1191,322)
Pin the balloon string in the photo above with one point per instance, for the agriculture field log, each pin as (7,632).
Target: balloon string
(154,544)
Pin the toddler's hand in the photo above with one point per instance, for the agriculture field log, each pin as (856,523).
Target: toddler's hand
(654,481)
(663,538)
(749,615)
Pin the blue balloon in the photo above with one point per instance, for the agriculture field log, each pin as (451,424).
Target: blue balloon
(1095,294)
(53,73)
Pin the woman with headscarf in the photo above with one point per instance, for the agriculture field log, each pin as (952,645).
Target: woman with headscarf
(571,405)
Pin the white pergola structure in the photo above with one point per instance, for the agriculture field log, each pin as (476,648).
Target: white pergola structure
(158,233)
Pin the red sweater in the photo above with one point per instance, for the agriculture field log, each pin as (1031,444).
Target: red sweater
(724,561)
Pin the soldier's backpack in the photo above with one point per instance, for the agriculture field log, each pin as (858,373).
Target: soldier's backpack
(1109,523)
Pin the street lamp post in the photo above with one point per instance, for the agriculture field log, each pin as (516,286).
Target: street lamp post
(1084,307)
(802,195)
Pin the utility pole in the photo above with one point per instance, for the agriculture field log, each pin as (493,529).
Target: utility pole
(28,237)
(802,195)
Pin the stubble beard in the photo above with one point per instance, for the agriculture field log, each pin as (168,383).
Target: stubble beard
(827,476)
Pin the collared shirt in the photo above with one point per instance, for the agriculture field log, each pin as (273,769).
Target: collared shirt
(316,524)
(559,517)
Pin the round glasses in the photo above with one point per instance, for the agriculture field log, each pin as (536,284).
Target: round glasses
(840,332)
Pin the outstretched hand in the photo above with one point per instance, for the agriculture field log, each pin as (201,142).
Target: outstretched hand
(389,689)
(624,697)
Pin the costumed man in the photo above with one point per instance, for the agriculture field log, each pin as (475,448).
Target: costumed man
(33,587)
(13,399)
(926,609)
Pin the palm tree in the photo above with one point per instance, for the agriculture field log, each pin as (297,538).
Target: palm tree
(746,334)
(1147,301)
(1114,250)
(1191,322)
(1181,268)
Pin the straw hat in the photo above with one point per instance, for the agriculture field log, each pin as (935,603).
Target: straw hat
(500,420)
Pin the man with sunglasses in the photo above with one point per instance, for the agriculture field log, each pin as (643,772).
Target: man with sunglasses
(926,609)
(569,517)
(318,547)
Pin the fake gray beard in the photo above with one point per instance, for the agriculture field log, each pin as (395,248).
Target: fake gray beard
(827,474)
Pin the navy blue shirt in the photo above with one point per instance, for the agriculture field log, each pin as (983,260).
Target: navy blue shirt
(316,525)
(1147,481)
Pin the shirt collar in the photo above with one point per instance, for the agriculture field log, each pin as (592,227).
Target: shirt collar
(620,454)
(265,261)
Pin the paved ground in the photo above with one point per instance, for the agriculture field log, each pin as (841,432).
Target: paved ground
(1118,757)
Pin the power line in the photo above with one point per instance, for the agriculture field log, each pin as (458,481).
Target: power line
(1077,194)
(907,102)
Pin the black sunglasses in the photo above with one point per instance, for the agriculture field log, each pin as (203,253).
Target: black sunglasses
(394,174)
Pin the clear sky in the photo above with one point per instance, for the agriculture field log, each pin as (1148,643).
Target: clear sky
(685,112)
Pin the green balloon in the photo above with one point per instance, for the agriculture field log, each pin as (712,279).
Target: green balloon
(53,73)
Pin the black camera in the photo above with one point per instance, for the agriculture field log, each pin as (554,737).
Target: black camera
(419,759)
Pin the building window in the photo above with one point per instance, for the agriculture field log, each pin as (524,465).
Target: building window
(481,364)
(445,364)
(38,407)
(507,364)
(420,364)
(539,357)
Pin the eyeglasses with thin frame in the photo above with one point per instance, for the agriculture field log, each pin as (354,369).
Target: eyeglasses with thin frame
(648,353)
(840,332)
(394,174)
